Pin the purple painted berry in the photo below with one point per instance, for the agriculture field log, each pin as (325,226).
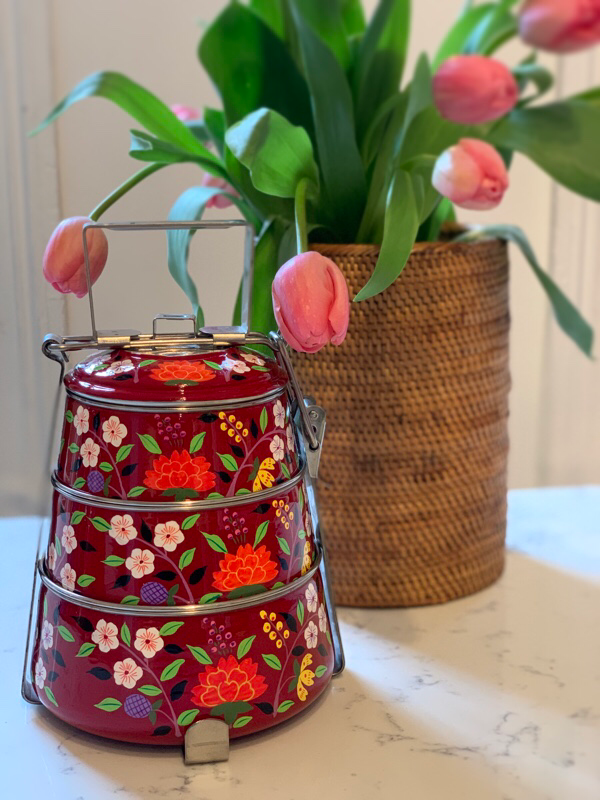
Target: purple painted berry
(153,594)
(95,481)
(137,706)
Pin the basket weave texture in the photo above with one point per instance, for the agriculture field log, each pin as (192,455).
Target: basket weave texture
(412,483)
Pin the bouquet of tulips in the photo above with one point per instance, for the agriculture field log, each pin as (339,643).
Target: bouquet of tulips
(321,139)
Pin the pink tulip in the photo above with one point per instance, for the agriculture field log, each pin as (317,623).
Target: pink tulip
(311,303)
(64,265)
(185,113)
(219,200)
(471,174)
(474,89)
(561,26)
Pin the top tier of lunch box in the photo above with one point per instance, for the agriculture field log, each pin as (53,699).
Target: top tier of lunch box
(185,376)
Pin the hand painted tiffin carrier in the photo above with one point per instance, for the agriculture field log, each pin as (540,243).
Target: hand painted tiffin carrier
(182,595)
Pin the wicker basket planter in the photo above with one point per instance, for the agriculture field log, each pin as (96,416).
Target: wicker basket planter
(413,475)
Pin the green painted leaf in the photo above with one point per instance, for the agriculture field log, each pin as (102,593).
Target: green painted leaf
(100,524)
(85,649)
(150,443)
(244,646)
(171,670)
(228,461)
(261,533)
(264,419)
(259,368)
(320,670)
(186,558)
(197,442)
(284,469)
(76,517)
(66,634)
(214,495)
(277,153)
(45,607)
(79,483)
(50,695)
(171,594)
(200,654)
(69,416)
(106,467)
(271,660)
(215,542)
(170,628)
(278,585)
(130,600)
(243,491)
(328,635)
(113,561)
(108,704)
(125,634)
(73,448)
(566,314)
(123,452)
(187,717)
(85,580)
(300,612)
(146,362)
(189,522)
(136,491)
(284,545)
(241,721)
(301,534)
(213,365)
(209,598)
(149,689)
(285,706)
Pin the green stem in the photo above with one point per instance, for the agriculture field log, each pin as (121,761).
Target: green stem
(123,189)
(300,215)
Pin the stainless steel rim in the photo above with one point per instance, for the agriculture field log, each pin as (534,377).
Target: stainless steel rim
(178,505)
(208,405)
(198,610)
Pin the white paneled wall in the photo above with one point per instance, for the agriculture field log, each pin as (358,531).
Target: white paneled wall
(46,47)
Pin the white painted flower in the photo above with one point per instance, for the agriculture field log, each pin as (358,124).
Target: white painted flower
(168,535)
(279,414)
(311,634)
(40,673)
(68,577)
(89,451)
(290,438)
(252,358)
(122,528)
(106,635)
(119,367)
(81,420)
(127,673)
(312,597)
(277,448)
(47,635)
(114,431)
(69,542)
(51,557)
(148,641)
(140,562)
(322,618)
(235,365)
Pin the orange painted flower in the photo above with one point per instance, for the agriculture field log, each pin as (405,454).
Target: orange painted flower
(180,471)
(182,371)
(228,682)
(246,568)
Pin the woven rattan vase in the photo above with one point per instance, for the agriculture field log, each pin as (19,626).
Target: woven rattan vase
(412,482)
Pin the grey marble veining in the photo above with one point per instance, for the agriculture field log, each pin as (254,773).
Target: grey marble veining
(493,697)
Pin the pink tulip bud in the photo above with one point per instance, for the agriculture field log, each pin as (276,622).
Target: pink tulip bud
(311,303)
(219,200)
(474,89)
(64,265)
(185,113)
(471,174)
(560,26)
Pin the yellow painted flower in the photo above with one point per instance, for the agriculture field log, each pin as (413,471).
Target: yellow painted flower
(263,476)
(306,677)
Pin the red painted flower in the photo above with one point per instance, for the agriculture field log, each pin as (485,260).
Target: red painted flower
(228,682)
(182,371)
(246,568)
(180,471)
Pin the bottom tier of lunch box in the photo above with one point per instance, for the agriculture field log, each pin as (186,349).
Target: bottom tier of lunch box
(144,675)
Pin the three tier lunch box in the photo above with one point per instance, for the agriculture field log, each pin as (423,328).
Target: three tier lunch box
(181,595)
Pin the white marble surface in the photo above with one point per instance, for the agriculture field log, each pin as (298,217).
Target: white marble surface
(494,697)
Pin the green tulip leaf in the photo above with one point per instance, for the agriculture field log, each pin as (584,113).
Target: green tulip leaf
(145,147)
(325,19)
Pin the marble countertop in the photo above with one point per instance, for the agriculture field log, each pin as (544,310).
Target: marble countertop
(493,697)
